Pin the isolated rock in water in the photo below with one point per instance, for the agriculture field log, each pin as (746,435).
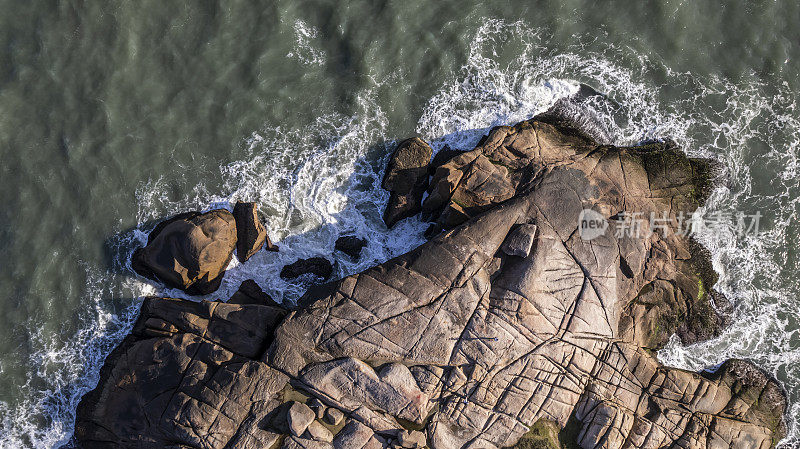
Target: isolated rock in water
(189,251)
(406,179)
(250,232)
(318,266)
(493,334)
(350,245)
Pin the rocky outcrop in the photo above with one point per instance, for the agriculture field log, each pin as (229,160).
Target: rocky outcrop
(406,179)
(189,251)
(251,235)
(514,327)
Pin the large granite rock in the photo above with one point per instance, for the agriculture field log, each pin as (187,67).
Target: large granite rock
(189,251)
(406,179)
(513,328)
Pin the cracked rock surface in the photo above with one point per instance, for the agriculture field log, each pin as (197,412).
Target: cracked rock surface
(510,328)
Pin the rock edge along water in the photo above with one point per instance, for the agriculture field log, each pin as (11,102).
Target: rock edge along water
(507,328)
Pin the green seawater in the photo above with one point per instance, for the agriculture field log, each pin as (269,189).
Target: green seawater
(114,114)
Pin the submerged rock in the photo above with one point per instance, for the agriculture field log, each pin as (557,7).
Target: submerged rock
(189,251)
(318,266)
(516,328)
(406,179)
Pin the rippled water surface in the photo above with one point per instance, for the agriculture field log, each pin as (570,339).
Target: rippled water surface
(114,114)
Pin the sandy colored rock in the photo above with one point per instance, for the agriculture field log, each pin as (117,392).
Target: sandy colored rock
(319,432)
(511,329)
(299,417)
(189,251)
(333,416)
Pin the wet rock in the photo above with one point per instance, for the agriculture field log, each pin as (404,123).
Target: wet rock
(183,362)
(251,235)
(350,245)
(406,179)
(490,335)
(299,417)
(189,251)
(318,266)
(250,293)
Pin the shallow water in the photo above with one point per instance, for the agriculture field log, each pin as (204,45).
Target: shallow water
(114,114)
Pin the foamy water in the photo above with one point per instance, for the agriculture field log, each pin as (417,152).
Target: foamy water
(329,186)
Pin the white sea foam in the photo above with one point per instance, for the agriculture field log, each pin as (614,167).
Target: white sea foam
(304,49)
(317,183)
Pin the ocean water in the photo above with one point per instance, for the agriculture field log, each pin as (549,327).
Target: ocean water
(116,114)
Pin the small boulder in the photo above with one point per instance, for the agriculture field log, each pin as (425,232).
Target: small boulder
(411,439)
(318,266)
(355,435)
(407,180)
(317,406)
(189,251)
(333,416)
(250,232)
(299,417)
(350,245)
(318,432)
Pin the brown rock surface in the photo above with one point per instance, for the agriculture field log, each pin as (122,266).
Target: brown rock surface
(189,251)
(512,329)
(406,179)
(251,235)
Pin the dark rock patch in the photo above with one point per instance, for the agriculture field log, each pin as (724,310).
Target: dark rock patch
(406,179)
(350,245)
(250,232)
(318,266)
